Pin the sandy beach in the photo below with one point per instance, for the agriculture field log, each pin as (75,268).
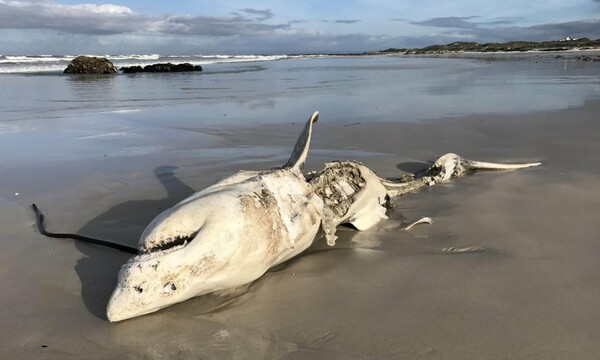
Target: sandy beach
(103,157)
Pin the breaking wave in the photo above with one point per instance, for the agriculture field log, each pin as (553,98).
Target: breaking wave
(57,63)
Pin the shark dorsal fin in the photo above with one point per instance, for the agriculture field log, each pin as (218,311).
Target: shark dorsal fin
(298,157)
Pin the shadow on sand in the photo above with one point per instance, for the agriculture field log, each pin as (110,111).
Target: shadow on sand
(123,223)
(413,167)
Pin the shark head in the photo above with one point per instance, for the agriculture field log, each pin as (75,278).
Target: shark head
(172,265)
(222,237)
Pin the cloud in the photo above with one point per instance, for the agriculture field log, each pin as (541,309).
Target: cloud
(483,33)
(500,22)
(261,15)
(353,21)
(582,28)
(459,22)
(82,18)
(448,22)
(45,26)
(490,31)
(310,42)
(209,26)
(110,19)
(341,21)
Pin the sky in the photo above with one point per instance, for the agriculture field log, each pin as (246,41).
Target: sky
(281,26)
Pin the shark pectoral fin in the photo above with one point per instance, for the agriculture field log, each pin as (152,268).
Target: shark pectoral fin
(423,220)
(368,218)
(300,152)
(331,238)
(329,228)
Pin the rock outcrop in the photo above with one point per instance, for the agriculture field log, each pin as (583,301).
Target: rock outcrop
(90,65)
(165,67)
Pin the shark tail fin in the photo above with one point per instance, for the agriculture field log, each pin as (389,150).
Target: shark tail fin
(483,165)
(445,168)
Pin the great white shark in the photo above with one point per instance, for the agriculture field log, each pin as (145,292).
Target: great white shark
(234,231)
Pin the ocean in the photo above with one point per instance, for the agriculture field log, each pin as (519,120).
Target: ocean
(265,89)
(57,63)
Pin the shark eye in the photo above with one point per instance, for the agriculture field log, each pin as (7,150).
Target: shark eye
(169,287)
(138,289)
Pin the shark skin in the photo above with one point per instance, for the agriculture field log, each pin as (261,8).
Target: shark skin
(232,232)
(224,236)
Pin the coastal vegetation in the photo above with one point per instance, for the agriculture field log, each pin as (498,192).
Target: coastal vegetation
(510,46)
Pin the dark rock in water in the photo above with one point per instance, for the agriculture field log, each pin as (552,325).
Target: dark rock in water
(588,58)
(131,69)
(166,67)
(90,65)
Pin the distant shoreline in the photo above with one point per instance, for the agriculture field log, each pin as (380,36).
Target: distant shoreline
(511,47)
(460,54)
(588,55)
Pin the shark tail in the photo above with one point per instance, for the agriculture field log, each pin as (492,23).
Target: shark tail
(483,165)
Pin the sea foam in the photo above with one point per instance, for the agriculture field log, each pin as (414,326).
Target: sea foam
(57,63)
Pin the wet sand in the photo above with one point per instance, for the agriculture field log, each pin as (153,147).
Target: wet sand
(529,291)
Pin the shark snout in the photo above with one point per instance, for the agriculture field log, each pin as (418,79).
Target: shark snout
(146,285)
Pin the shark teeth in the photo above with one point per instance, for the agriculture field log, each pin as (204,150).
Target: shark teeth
(168,245)
(147,256)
